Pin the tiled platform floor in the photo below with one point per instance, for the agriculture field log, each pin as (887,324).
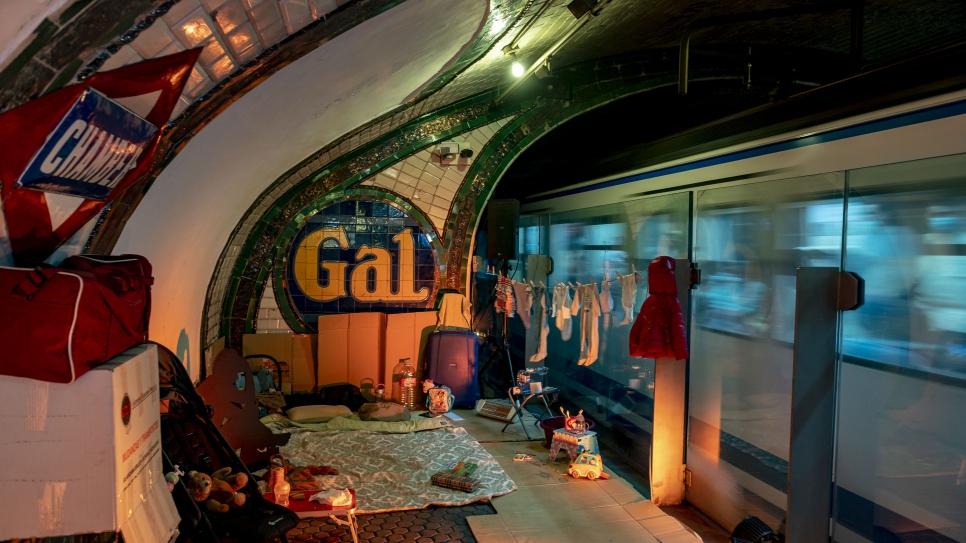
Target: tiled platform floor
(542,490)
(431,525)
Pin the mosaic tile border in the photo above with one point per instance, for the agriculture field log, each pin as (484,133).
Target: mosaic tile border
(536,118)
(284,244)
(484,41)
(203,110)
(304,186)
(514,139)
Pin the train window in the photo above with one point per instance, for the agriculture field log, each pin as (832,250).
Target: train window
(901,437)
(595,244)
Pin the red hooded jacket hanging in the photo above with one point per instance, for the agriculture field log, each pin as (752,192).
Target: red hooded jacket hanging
(68,153)
(658,331)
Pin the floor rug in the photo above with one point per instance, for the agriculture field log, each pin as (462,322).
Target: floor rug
(391,472)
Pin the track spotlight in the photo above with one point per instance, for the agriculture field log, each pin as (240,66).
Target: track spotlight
(580,7)
(517,69)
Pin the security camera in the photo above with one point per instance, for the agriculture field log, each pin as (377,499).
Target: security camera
(448,150)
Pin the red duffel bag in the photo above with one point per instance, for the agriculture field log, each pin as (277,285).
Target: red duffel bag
(58,323)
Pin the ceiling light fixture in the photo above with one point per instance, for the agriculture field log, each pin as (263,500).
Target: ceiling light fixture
(516,68)
(584,19)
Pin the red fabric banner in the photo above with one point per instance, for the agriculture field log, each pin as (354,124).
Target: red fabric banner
(37,226)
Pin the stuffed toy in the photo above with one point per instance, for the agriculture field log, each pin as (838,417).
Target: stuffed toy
(217,491)
(439,398)
(172,477)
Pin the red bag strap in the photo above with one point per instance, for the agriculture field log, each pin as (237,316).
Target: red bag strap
(35,279)
(40,276)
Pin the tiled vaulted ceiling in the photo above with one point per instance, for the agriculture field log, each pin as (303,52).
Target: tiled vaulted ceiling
(236,31)
(396,60)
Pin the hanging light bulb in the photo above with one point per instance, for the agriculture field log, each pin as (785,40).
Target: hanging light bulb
(516,68)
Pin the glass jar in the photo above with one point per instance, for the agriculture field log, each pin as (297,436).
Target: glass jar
(281,488)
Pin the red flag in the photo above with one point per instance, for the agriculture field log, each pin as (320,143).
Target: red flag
(39,222)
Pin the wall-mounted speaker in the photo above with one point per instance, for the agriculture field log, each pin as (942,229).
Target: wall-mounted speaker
(501,229)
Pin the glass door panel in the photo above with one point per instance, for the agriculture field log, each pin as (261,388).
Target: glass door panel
(596,244)
(901,438)
(749,241)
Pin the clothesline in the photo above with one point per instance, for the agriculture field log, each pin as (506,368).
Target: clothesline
(571,285)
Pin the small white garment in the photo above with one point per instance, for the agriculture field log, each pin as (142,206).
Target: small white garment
(561,310)
(524,298)
(543,327)
(606,305)
(454,311)
(586,306)
(629,295)
(336,497)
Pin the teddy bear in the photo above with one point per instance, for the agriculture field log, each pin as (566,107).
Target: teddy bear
(219,490)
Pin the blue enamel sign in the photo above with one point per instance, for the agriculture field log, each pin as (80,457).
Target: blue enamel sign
(361,255)
(93,147)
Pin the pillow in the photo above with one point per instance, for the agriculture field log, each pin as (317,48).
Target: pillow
(384,411)
(317,413)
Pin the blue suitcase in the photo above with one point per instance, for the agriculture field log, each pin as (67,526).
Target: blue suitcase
(451,360)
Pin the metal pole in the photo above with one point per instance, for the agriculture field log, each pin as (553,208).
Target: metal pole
(526,28)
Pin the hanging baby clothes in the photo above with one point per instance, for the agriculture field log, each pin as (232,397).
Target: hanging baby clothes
(629,295)
(561,311)
(606,306)
(454,311)
(659,331)
(543,327)
(587,308)
(524,300)
(504,296)
(606,303)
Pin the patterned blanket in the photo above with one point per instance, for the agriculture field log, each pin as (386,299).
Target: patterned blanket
(282,425)
(391,472)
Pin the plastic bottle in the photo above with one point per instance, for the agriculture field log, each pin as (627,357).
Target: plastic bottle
(397,380)
(281,488)
(407,384)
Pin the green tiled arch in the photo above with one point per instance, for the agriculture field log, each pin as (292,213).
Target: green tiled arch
(533,119)
(284,243)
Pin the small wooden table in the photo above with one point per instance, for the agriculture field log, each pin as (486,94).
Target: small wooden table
(309,509)
(572,443)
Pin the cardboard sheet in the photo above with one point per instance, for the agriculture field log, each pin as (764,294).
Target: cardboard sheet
(333,351)
(406,335)
(304,364)
(366,347)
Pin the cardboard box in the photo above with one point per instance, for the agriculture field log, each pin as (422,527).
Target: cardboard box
(406,335)
(86,457)
(333,349)
(304,366)
(366,347)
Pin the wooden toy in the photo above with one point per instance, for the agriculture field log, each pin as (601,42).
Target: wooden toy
(586,465)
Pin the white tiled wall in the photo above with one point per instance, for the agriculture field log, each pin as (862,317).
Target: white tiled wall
(269,319)
(231,31)
(430,183)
